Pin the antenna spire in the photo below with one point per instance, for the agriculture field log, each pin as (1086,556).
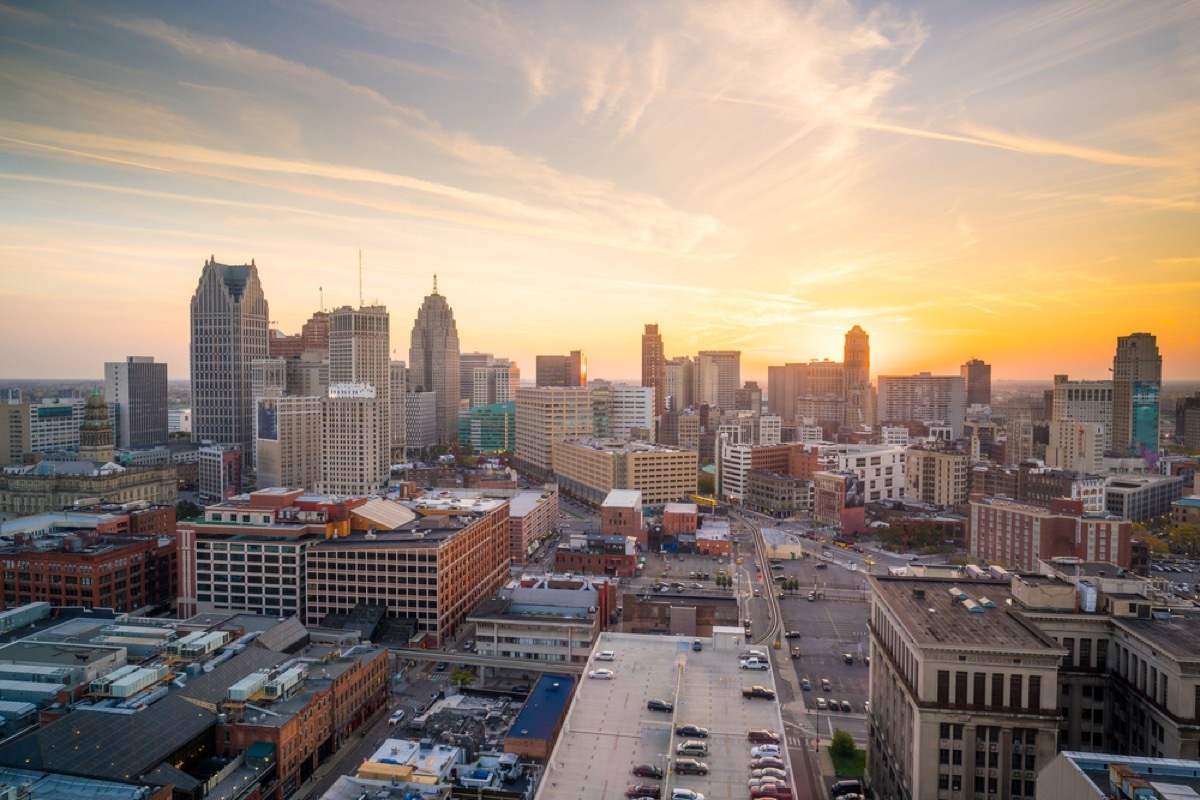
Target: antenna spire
(321,289)
(435,283)
(360,296)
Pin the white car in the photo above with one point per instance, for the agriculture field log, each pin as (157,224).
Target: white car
(601,674)
(396,718)
(686,794)
(605,655)
(764,750)
(752,663)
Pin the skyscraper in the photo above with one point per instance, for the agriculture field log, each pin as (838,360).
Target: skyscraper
(354,451)
(856,377)
(229,318)
(718,376)
(1137,384)
(467,364)
(978,376)
(433,362)
(137,390)
(654,367)
(570,370)
(359,353)
(679,380)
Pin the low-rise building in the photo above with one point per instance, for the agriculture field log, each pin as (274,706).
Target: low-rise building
(936,475)
(552,618)
(776,494)
(1039,484)
(532,518)
(1141,497)
(1018,535)
(1186,511)
(590,468)
(51,486)
(598,554)
(680,518)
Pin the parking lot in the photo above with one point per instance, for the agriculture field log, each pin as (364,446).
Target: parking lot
(610,729)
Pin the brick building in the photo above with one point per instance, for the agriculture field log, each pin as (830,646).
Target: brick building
(1018,535)
(91,570)
(532,517)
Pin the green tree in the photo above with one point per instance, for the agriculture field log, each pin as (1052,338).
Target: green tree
(705,484)
(842,744)
(186,509)
(1185,539)
(462,677)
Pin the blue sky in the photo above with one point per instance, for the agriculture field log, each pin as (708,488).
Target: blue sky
(1013,181)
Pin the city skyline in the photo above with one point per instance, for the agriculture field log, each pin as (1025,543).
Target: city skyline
(962,183)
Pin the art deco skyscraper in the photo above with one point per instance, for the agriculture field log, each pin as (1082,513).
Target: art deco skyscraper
(359,354)
(856,375)
(433,362)
(1137,385)
(230,319)
(654,367)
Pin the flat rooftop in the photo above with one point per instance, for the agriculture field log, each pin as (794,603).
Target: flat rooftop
(934,618)
(1178,636)
(609,729)
(524,502)
(623,498)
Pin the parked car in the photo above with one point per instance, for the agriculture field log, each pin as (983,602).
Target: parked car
(643,790)
(767,761)
(690,766)
(691,731)
(845,787)
(826,686)
(660,705)
(761,750)
(792,635)
(606,655)
(396,718)
(768,772)
(763,736)
(521,687)
(756,782)
(601,674)
(697,645)
(753,663)
(647,771)
(772,791)
(846,706)
(805,685)
(821,704)
(686,794)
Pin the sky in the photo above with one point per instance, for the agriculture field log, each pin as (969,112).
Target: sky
(1014,181)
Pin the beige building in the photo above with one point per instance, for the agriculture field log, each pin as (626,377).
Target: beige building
(360,353)
(50,486)
(545,415)
(718,376)
(964,693)
(287,436)
(1089,402)
(1076,446)
(936,476)
(353,462)
(591,468)
(679,382)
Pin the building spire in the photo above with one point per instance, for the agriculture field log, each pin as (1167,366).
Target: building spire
(435,283)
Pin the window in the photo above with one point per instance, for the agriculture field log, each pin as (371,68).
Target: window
(998,690)
(943,688)
(944,756)
(960,688)
(1069,658)
(1035,692)
(1014,690)
(1085,653)
(980,689)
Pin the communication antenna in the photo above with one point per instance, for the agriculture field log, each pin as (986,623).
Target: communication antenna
(321,289)
(360,295)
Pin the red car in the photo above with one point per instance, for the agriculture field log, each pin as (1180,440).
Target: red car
(772,790)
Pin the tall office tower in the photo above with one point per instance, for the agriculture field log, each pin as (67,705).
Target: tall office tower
(137,390)
(748,398)
(230,318)
(978,376)
(467,364)
(1187,421)
(268,377)
(718,376)
(679,382)
(308,375)
(856,378)
(1090,402)
(433,362)
(785,385)
(923,398)
(546,415)
(570,370)
(420,420)
(1137,385)
(96,435)
(1075,446)
(654,367)
(826,378)
(630,408)
(287,440)
(398,402)
(360,353)
(496,383)
(354,451)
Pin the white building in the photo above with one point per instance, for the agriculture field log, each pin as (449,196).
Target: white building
(881,469)
(495,383)
(894,435)
(630,407)
(54,424)
(179,420)
(1090,402)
